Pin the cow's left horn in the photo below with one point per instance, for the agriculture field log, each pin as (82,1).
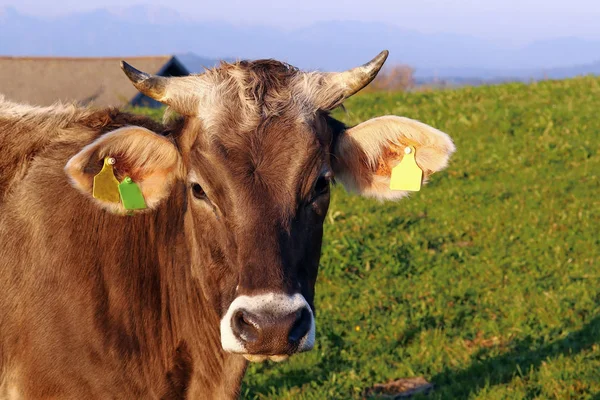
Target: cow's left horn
(355,79)
(165,90)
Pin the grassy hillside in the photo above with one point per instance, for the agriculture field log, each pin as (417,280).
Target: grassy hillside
(487,282)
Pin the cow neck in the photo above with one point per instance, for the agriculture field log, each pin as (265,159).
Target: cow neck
(154,301)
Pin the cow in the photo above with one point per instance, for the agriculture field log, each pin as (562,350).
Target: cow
(170,299)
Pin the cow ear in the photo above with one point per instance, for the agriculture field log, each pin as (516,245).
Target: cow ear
(366,154)
(150,160)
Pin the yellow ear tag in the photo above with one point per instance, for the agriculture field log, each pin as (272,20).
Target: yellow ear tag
(106,186)
(407,175)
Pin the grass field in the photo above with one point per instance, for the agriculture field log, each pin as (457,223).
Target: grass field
(487,282)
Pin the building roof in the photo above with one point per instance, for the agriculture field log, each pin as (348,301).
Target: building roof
(97,81)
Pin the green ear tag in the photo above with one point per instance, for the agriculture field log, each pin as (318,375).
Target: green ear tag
(131,195)
(407,175)
(106,186)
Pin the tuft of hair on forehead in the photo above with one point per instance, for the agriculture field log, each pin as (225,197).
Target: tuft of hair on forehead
(254,91)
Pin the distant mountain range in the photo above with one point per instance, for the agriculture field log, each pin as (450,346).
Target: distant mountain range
(487,75)
(196,64)
(333,45)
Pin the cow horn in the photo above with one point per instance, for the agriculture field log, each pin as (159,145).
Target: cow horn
(172,91)
(355,79)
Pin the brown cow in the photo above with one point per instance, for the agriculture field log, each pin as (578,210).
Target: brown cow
(220,267)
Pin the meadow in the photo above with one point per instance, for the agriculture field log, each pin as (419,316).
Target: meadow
(487,282)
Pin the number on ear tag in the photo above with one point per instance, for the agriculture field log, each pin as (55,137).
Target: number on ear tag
(131,195)
(106,186)
(407,175)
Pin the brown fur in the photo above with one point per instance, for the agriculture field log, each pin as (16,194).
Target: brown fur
(111,311)
(98,305)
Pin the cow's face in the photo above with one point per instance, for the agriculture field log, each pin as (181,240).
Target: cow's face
(263,193)
(257,153)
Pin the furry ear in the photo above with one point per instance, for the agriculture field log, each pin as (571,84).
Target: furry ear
(367,153)
(150,160)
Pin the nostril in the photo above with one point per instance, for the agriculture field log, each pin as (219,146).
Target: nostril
(245,326)
(245,320)
(301,325)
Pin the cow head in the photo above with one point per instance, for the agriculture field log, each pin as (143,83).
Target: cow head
(257,152)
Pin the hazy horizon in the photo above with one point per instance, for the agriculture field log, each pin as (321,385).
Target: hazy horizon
(509,22)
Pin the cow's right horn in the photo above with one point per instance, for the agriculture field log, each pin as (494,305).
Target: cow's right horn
(176,92)
(351,81)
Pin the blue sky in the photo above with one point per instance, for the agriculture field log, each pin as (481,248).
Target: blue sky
(508,21)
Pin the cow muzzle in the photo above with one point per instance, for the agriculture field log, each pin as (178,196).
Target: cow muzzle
(268,326)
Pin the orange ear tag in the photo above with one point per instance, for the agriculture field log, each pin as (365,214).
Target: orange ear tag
(106,186)
(407,175)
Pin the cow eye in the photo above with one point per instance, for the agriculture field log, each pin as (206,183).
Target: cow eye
(198,192)
(321,186)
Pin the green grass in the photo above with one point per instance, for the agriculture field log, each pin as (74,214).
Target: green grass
(487,282)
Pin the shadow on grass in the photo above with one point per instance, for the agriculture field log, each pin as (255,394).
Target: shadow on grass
(521,359)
